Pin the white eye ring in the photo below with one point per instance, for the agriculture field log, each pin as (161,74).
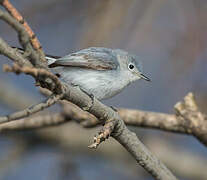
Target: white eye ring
(131,66)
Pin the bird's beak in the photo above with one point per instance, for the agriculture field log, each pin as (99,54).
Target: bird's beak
(144,77)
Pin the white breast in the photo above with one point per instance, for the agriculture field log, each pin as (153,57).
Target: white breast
(102,84)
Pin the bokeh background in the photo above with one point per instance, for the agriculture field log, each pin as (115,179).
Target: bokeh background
(169,36)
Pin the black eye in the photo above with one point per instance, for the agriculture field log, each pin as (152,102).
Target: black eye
(131,66)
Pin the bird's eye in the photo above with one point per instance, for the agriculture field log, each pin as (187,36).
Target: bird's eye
(131,66)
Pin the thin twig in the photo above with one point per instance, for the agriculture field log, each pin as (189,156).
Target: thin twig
(41,74)
(103,134)
(13,11)
(14,55)
(194,121)
(24,39)
(35,122)
(31,110)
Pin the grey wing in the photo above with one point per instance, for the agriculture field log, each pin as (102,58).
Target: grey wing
(91,58)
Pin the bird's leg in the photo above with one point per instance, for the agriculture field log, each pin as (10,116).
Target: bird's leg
(87,108)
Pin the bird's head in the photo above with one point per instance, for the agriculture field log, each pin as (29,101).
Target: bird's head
(131,65)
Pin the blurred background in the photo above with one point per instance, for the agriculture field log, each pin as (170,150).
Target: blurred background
(169,36)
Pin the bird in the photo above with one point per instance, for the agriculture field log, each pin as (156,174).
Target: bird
(98,71)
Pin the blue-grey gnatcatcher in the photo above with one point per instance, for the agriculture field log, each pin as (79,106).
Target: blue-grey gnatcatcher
(98,71)
(101,72)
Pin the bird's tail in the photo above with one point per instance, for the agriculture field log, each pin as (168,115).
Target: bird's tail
(50,58)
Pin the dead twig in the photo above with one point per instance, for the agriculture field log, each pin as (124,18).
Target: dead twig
(103,134)
(34,41)
(31,110)
(192,120)
(39,74)
(14,55)
(35,122)
(24,40)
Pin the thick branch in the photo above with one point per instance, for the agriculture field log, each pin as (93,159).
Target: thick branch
(139,118)
(188,119)
(130,141)
(120,132)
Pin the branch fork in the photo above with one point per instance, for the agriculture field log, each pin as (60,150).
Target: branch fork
(193,120)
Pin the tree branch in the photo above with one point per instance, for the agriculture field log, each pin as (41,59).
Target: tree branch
(31,110)
(166,122)
(192,120)
(14,55)
(120,132)
(41,75)
(34,122)
(24,40)
(33,39)
(187,120)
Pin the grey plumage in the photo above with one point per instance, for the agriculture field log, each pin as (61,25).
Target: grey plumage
(99,71)
(91,58)
(102,72)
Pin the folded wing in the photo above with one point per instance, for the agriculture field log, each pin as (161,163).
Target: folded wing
(91,58)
